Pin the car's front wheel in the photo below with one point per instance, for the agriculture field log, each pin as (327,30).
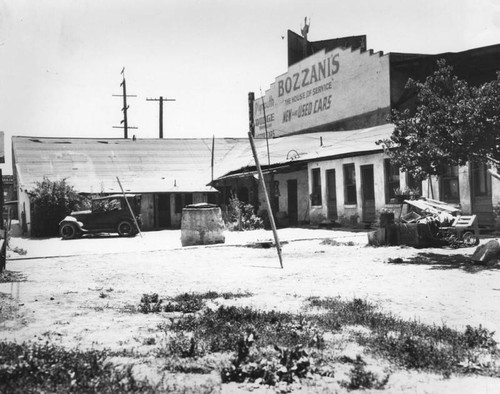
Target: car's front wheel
(68,231)
(126,229)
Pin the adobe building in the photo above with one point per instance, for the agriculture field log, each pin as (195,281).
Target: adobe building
(338,85)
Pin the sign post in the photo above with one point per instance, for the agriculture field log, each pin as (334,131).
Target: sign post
(268,203)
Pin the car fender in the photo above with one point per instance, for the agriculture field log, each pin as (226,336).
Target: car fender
(72,220)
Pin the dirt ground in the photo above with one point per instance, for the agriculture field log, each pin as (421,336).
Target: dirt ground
(77,293)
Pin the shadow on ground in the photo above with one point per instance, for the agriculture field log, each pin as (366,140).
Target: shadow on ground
(446,262)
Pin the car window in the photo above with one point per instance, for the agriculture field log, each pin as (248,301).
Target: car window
(113,204)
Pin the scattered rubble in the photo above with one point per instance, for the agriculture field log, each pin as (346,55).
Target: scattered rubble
(426,223)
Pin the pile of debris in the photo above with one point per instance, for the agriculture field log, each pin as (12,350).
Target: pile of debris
(427,223)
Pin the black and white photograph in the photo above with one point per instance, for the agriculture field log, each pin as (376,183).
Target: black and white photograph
(267,196)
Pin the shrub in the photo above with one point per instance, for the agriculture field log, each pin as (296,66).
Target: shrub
(363,379)
(237,211)
(32,368)
(51,201)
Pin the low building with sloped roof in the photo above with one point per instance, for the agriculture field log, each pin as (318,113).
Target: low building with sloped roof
(168,173)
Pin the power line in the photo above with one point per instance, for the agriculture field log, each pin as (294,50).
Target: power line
(161,100)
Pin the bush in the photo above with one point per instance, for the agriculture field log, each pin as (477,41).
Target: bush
(51,201)
(237,211)
(33,368)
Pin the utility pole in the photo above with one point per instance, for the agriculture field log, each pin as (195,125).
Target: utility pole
(125,126)
(161,100)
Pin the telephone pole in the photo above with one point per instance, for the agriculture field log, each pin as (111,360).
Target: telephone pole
(161,100)
(124,122)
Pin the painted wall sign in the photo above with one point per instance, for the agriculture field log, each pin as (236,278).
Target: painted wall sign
(323,88)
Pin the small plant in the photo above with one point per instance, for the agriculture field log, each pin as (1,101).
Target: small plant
(479,338)
(150,303)
(363,379)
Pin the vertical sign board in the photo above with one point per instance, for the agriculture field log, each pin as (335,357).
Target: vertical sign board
(324,88)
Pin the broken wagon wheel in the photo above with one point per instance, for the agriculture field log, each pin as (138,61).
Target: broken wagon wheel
(470,239)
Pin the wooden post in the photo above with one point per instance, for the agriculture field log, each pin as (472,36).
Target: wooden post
(3,231)
(129,207)
(268,203)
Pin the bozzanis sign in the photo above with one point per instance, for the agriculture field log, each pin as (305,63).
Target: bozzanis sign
(321,89)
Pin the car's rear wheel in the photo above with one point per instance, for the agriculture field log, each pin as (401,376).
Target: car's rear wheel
(126,229)
(68,231)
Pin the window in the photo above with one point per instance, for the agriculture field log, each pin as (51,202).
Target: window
(413,184)
(449,185)
(349,184)
(391,180)
(316,186)
(276,196)
(481,180)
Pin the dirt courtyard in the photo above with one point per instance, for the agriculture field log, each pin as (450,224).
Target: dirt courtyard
(75,292)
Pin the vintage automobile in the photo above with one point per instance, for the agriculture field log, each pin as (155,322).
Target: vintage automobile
(109,214)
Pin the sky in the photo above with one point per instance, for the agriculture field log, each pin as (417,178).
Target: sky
(61,60)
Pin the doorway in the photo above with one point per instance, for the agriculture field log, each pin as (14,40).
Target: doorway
(163,205)
(368,193)
(482,204)
(293,210)
(331,190)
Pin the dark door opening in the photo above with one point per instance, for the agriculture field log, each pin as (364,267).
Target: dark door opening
(368,193)
(164,211)
(293,210)
(331,190)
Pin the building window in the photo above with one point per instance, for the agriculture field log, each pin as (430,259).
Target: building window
(413,184)
(449,185)
(276,196)
(316,186)
(481,180)
(391,180)
(350,184)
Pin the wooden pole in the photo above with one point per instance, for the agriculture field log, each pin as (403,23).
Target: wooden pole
(129,207)
(212,161)
(268,203)
(3,231)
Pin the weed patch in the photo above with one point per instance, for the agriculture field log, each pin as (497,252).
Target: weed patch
(360,378)
(184,303)
(411,344)
(29,368)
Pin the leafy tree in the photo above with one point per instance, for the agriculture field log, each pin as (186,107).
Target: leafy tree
(51,201)
(452,124)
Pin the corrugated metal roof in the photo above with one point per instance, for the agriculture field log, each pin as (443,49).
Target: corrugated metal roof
(143,165)
(305,147)
(91,165)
